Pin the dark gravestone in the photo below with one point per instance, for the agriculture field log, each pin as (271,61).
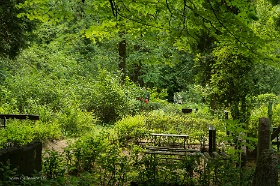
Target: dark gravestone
(32,158)
(263,136)
(266,173)
(186,110)
(212,140)
(26,159)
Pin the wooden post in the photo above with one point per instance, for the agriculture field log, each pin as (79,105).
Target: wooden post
(226,115)
(122,55)
(263,135)
(270,112)
(226,118)
(212,139)
(270,118)
(277,137)
(4,122)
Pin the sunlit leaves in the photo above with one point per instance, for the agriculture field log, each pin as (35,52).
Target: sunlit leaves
(101,31)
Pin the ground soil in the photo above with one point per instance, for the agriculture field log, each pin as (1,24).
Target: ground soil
(57,145)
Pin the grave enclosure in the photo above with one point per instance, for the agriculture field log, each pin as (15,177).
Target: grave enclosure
(29,157)
(25,159)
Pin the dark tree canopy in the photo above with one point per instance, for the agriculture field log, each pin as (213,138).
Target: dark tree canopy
(14,31)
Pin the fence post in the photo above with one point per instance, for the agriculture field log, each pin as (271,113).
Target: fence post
(226,118)
(3,123)
(277,138)
(270,118)
(212,139)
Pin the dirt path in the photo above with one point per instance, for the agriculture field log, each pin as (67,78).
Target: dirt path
(57,145)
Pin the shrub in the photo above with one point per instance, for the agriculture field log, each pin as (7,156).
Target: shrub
(73,121)
(131,127)
(82,155)
(47,130)
(18,133)
(257,113)
(109,99)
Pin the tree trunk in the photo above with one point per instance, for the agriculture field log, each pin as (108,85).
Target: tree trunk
(137,73)
(122,54)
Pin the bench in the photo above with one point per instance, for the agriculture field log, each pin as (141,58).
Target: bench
(17,116)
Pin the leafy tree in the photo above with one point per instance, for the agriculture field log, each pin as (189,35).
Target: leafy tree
(207,28)
(183,23)
(174,78)
(233,79)
(14,32)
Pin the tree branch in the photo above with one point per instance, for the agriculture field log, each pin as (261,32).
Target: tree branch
(113,7)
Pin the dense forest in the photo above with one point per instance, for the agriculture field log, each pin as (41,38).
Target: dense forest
(106,74)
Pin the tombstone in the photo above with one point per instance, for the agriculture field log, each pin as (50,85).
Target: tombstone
(187,110)
(212,139)
(263,135)
(266,172)
(26,159)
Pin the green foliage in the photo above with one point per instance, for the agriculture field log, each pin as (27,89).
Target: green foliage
(131,127)
(173,78)
(274,2)
(93,154)
(264,99)
(69,77)
(198,26)
(8,176)
(275,115)
(52,164)
(18,133)
(261,111)
(156,95)
(161,121)
(240,136)
(195,95)
(195,124)
(73,121)
(97,157)
(14,32)
(83,154)
(109,99)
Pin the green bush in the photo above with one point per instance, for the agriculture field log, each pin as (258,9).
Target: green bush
(109,99)
(159,120)
(73,121)
(47,130)
(265,99)
(18,133)
(53,164)
(276,115)
(82,155)
(256,114)
(8,176)
(131,127)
